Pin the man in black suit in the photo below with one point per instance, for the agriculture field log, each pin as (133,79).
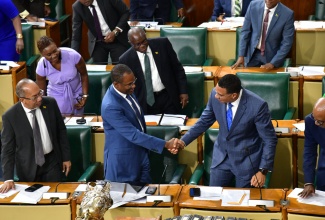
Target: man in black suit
(169,85)
(107,36)
(31,10)
(18,144)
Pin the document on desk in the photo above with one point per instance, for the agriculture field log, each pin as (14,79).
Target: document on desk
(96,68)
(311,70)
(30,197)
(300,126)
(166,119)
(209,193)
(235,197)
(18,188)
(121,198)
(73,120)
(318,199)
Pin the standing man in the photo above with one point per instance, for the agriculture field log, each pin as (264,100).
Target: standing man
(31,10)
(126,143)
(314,137)
(229,8)
(34,139)
(107,28)
(245,146)
(267,35)
(158,10)
(161,86)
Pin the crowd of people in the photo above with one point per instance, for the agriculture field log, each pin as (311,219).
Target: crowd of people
(147,79)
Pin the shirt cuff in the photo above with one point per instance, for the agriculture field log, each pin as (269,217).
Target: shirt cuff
(119,29)
(8,181)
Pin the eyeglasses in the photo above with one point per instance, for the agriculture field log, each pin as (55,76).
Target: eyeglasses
(145,41)
(130,84)
(319,122)
(34,98)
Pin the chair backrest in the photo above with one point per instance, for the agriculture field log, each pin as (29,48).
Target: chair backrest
(210,137)
(98,85)
(273,88)
(28,33)
(189,43)
(323,86)
(158,161)
(79,137)
(57,9)
(238,31)
(320,10)
(195,89)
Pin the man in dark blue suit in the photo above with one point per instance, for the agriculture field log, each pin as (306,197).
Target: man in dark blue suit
(314,137)
(226,8)
(245,146)
(126,143)
(279,33)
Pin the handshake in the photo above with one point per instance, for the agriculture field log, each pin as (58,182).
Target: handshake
(174,145)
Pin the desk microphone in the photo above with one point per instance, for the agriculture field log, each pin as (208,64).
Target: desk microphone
(280,130)
(82,120)
(53,196)
(284,201)
(259,202)
(160,198)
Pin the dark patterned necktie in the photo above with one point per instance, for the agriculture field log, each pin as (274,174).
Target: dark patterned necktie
(135,109)
(147,72)
(39,153)
(97,24)
(265,23)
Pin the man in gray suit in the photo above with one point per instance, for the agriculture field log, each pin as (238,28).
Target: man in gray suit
(19,143)
(245,146)
(107,36)
(271,51)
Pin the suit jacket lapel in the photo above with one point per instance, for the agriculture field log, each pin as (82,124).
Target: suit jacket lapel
(240,110)
(103,10)
(22,118)
(260,18)
(274,19)
(45,112)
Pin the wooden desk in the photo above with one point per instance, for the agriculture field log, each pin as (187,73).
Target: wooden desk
(186,205)
(166,209)
(61,209)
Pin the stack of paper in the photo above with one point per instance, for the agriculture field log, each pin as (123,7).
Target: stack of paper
(96,67)
(311,70)
(209,193)
(30,197)
(235,197)
(166,119)
(317,199)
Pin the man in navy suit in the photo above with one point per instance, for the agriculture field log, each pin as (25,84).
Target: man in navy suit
(226,8)
(314,137)
(279,35)
(159,10)
(245,146)
(126,143)
(18,146)
(167,73)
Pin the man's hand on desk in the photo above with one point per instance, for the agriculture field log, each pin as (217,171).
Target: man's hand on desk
(260,180)
(309,190)
(240,62)
(267,66)
(8,185)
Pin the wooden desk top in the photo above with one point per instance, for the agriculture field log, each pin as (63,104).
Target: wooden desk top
(185,201)
(22,65)
(224,70)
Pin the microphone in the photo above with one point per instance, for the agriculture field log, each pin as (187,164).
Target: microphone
(259,202)
(280,130)
(82,120)
(160,198)
(53,196)
(284,201)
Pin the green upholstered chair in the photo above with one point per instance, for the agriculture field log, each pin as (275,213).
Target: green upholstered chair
(80,141)
(201,173)
(98,85)
(28,53)
(323,86)
(273,88)
(190,44)
(195,88)
(174,170)
(319,11)
(58,12)
(287,61)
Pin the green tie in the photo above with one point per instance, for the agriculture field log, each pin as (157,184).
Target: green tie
(147,72)
(237,8)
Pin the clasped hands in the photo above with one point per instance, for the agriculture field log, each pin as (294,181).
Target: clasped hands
(174,145)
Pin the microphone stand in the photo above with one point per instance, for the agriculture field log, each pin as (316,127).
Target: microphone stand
(259,202)
(160,198)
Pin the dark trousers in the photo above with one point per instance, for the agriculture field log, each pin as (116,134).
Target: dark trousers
(257,59)
(50,171)
(163,104)
(102,50)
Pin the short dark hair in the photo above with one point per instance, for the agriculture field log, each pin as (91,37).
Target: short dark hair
(44,42)
(231,83)
(118,71)
(20,87)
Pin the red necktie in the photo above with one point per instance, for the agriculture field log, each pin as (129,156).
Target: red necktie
(97,24)
(265,23)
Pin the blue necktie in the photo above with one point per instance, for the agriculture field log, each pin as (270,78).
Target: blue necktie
(229,115)
(135,108)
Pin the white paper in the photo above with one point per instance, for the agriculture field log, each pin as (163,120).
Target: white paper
(96,124)
(308,24)
(73,120)
(152,118)
(317,199)
(39,23)
(191,69)
(96,67)
(170,119)
(209,193)
(81,188)
(18,188)
(311,70)
(294,193)
(30,197)
(300,126)
(10,63)
(230,195)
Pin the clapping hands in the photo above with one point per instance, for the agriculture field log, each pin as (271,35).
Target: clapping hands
(174,145)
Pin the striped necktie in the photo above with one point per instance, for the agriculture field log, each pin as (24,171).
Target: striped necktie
(237,8)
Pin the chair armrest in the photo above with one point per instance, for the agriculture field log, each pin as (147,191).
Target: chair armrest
(289,114)
(197,175)
(180,169)
(231,62)
(287,62)
(32,60)
(267,180)
(311,17)
(208,62)
(89,172)
(63,18)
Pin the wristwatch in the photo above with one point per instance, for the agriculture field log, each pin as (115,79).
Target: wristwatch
(263,171)
(116,33)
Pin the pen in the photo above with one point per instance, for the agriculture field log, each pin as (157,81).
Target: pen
(124,192)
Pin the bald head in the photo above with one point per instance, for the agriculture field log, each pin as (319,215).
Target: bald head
(138,39)
(136,33)
(319,112)
(320,105)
